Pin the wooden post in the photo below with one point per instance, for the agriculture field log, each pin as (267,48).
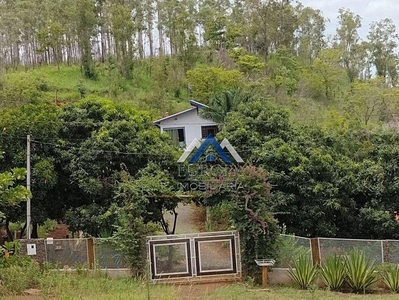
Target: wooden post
(90,252)
(315,251)
(264,277)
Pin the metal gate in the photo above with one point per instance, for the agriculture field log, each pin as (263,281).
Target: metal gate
(194,256)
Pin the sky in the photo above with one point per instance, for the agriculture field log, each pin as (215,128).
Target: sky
(368,10)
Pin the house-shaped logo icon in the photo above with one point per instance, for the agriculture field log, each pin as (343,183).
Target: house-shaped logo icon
(210,141)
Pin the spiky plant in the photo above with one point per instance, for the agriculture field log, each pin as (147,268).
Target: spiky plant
(390,276)
(304,272)
(333,272)
(360,272)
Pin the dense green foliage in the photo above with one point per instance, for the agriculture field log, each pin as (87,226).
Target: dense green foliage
(316,127)
(79,153)
(248,209)
(324,183)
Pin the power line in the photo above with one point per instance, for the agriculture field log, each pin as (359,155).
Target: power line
(97,150)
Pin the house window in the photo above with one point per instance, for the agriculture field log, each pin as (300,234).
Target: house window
(177,135)
(207,130)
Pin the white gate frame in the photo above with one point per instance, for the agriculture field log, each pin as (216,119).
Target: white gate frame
(192,243)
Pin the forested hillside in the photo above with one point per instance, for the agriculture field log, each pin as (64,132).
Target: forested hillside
(157,54)
(86,78)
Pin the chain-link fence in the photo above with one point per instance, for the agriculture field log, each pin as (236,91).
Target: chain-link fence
(67,253)
(196,255)
(373,249)
(289,247)
(106,256)
(77,253)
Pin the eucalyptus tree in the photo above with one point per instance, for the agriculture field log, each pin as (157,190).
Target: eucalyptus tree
(272,24)
(213,18)
(347,40)
(138,17)
(160,26)
(123,29)
(149,21)
(50,39)
(86,28)
(10,26)
(310,38)
(104,30)
(178,23)
(382,41)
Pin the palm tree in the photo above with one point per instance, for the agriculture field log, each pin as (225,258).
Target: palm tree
(220,104)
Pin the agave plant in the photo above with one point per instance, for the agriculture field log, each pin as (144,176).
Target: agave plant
(390,276)
(333,272)
(304,272)
(360,272)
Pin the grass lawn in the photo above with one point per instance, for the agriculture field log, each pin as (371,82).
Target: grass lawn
(71,287)
(238,292)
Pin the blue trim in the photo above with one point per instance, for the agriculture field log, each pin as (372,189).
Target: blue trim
(210,141)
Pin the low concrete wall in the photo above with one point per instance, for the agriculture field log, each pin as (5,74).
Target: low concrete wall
(112,273)
(278,276)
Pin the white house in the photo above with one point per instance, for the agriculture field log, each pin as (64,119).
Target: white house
(187,125)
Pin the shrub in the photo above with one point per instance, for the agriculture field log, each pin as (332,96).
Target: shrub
(18,273)
(333,272)
(304,273)
(390,276)
(360,272)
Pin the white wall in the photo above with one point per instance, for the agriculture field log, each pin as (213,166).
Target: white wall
(190,121)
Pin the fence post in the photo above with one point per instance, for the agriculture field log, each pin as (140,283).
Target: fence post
(314,243)
(386,256)
(90,252)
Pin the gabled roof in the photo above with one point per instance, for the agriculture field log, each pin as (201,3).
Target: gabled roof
(198,104)
(195,106)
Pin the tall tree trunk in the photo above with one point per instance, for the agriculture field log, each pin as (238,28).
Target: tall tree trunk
(10,238)
(150,39)
(34,231)
(160,31)
(140,43)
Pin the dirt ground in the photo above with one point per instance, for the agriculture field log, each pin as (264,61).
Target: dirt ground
(198,291)
(190,221)
(186,219)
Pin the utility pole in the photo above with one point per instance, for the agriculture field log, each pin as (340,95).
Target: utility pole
(28,216)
